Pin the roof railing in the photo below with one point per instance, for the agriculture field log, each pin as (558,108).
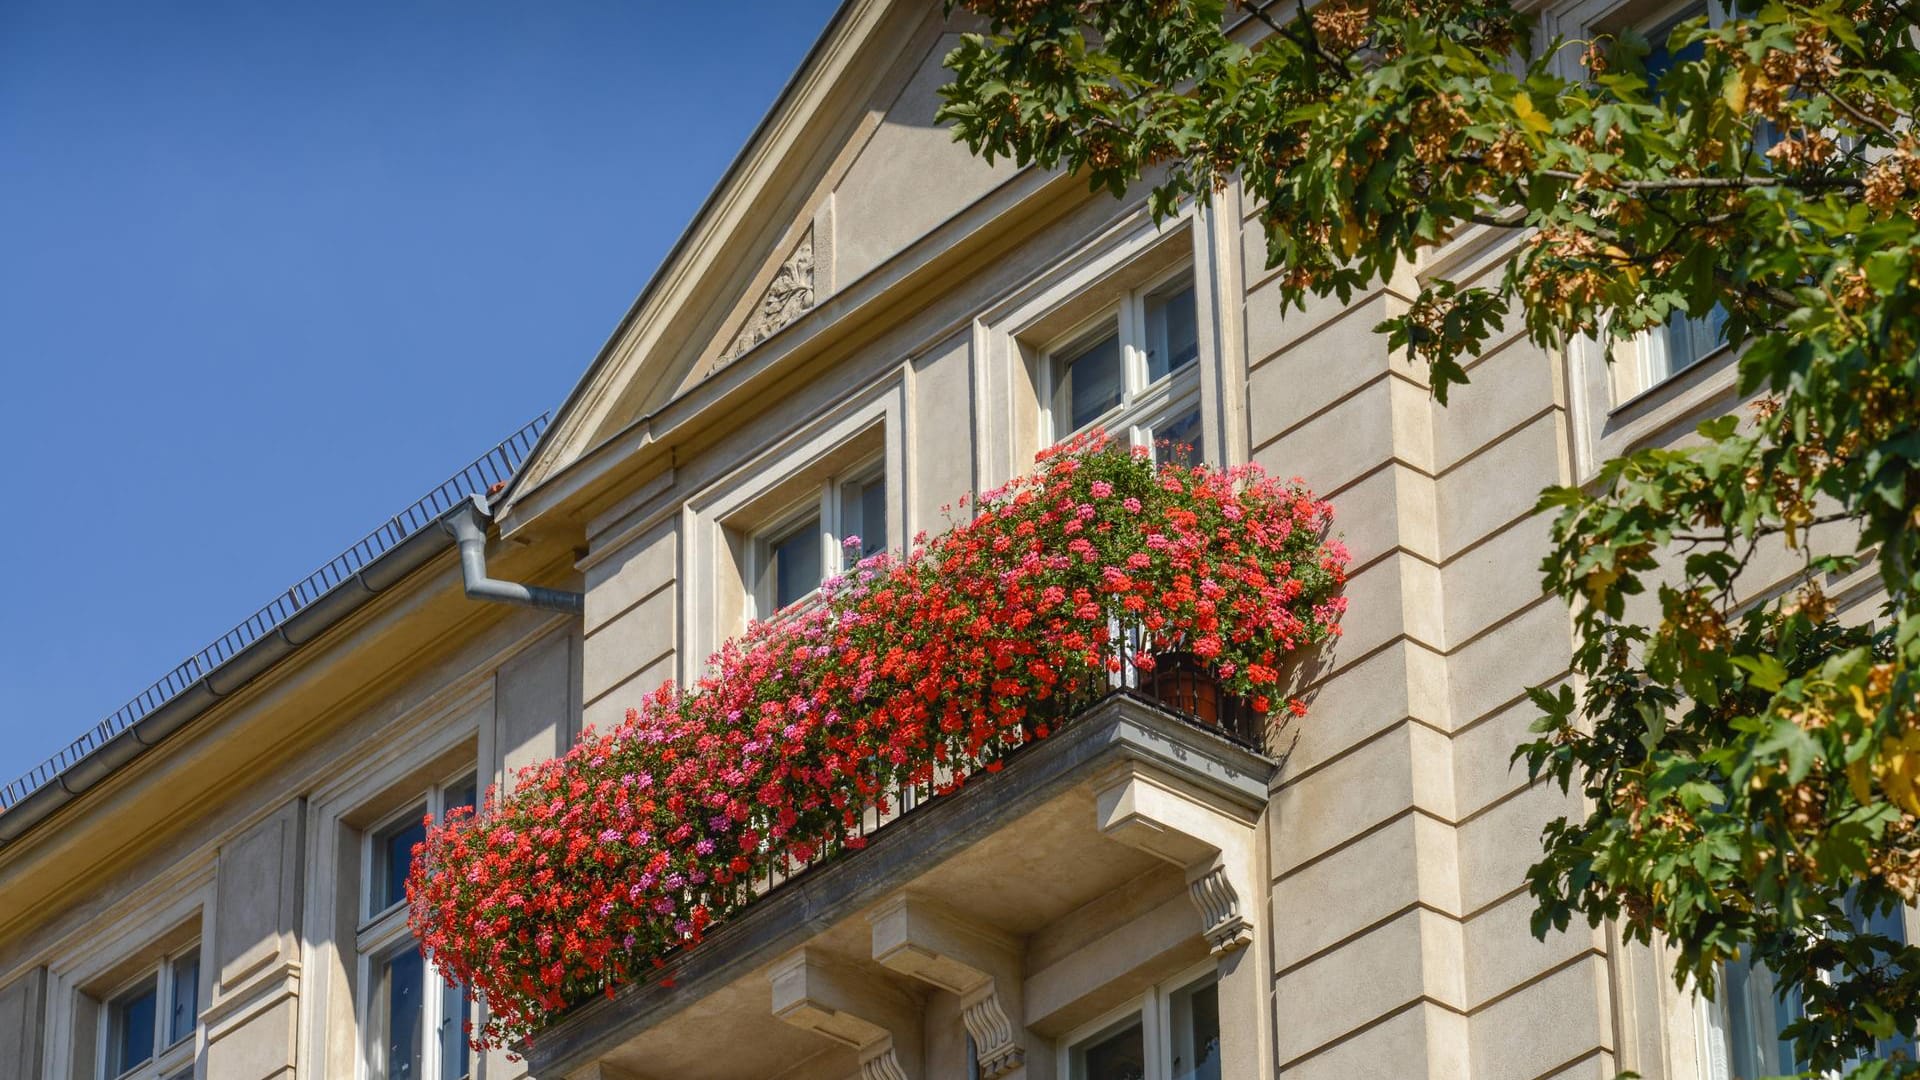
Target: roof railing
(494,467)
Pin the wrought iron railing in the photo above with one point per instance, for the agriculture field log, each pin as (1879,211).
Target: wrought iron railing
(492,468)
(1177,682)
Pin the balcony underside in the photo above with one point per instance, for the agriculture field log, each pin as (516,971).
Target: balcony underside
(1091,866)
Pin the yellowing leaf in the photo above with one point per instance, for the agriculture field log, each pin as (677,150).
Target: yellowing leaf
(1597,583)
(1860,779)
(1899,767)
(1735,92)
(1529,116)
(1860,703)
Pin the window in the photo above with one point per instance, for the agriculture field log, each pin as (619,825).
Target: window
(1167,1035)
(1120,1054)
(150,1023)
(1132,371)
(1683,340)
(1196,1032)
(841,522)
(1745,1034)
(414,1024)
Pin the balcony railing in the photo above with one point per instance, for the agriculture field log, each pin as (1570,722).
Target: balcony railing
(1177,683)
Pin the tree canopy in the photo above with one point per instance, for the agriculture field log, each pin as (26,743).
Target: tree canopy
(1750,757)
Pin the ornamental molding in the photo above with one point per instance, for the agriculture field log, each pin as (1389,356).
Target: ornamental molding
(993,1041)
(816,993)
(788,297)
(1225,928)
(922,939)
(882,1064)
(1212,841)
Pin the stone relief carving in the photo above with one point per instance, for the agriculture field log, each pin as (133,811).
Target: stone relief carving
(992,1034)
(790,294)
(882,1065)
(1219,905)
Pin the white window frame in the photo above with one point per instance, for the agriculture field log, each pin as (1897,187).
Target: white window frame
(1145,406)
(1713,1024)
(169,1060)
(1154,1012)
(381,932)
(1650,363)
(822,505)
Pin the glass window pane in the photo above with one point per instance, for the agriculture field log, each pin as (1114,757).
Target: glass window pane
(1173,330)
(1889,923)
(873,517)
(1681,342)
(455,1012)
(1119,1056)
(863,513)
(398,1015)
(183,1011)
(796,563)
(1178,439)
(1659,59)
(131,1019)
(1755,1019)
(1090,382)
(1196,1033)
(393,858)
(461,793)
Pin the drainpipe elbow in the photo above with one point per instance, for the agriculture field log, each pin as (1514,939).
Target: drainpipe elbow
(469,529)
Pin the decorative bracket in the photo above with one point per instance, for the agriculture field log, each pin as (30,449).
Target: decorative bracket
(993,1041)
(1211,841)
(1226,929)
(918,938)
(812,993)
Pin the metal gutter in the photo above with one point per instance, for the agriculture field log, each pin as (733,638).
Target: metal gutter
(406,542)
(467,524)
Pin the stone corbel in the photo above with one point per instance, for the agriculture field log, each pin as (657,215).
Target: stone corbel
(1210,839)
(1226,929)
(878,1024)
(918,938)
(999,1052)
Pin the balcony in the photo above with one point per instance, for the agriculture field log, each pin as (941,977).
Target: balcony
(1032,902)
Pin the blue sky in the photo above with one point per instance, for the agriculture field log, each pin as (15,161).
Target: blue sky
(268,272)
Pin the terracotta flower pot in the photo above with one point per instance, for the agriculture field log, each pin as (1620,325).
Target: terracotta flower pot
(1182,682)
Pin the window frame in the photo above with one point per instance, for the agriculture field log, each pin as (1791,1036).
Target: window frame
(823,505)
(1713,1020)
(1649,365)
(1153,1010)
(168,1057)
(1146,404)
(381,933)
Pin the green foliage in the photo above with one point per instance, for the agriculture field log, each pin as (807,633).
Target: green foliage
(1749,758)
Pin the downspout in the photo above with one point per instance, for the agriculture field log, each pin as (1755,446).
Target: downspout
(468,524)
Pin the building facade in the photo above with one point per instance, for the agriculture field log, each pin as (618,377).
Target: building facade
(860,326)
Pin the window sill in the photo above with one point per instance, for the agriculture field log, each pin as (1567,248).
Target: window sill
(1669,408)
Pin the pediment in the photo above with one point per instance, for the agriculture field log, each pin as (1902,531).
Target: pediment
(846,172)
(787,296)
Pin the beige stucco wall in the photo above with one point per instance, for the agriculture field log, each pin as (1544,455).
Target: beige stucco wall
(240,869)
(1392,854)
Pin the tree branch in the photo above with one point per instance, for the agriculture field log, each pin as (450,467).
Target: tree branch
(1858,114)
(1766,530)
(1708,183)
